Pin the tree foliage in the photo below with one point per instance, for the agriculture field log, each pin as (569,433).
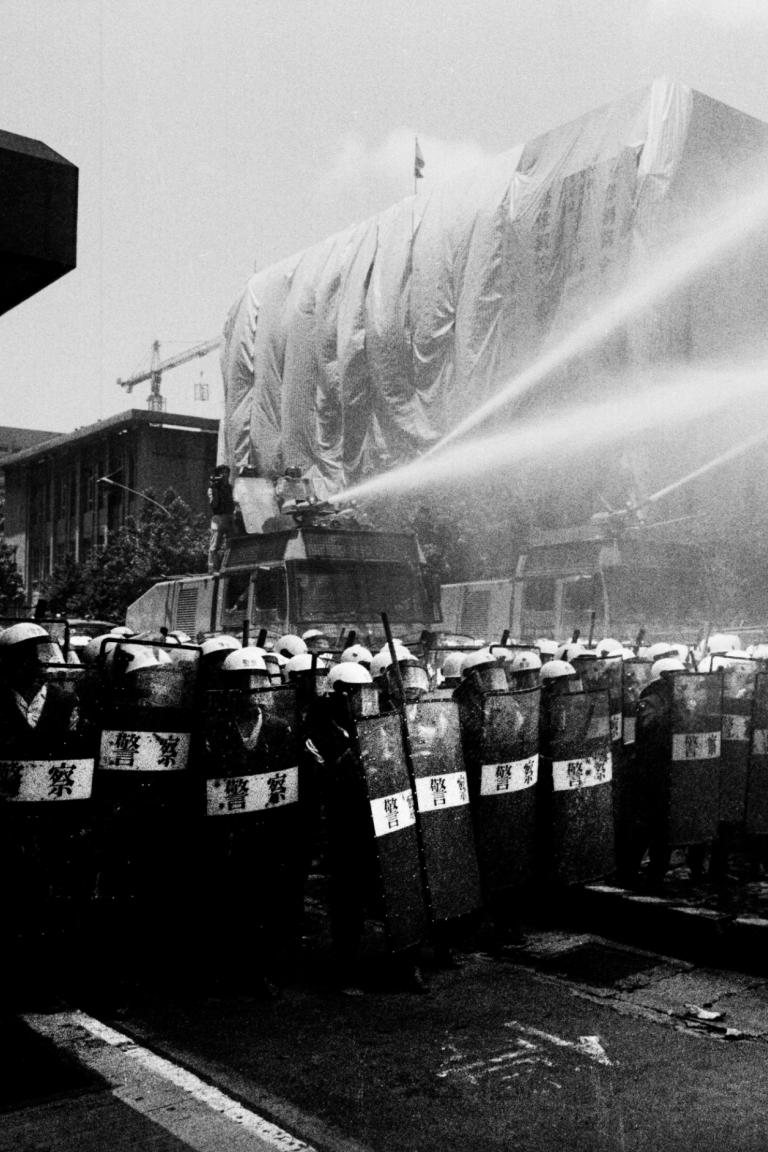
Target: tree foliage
(147,548)
(11,582)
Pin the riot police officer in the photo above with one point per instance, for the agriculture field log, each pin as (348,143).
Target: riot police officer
(46,774)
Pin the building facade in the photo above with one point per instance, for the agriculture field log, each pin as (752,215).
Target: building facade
(66,497)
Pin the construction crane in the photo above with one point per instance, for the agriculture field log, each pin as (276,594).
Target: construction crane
(155,400)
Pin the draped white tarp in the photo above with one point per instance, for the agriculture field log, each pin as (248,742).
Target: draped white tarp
(364,350)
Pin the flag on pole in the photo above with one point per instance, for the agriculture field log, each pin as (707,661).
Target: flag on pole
(418,162)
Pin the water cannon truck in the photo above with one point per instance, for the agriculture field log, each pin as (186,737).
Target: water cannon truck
(309,564)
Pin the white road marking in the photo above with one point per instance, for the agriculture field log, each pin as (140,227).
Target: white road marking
(526,1055)
(588,1046)
(202,1116)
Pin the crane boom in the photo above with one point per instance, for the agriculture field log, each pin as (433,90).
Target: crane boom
(157,368)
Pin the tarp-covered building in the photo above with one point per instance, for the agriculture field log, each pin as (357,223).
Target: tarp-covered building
(362,351)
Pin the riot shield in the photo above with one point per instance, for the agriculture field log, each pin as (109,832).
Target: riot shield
(756,816)
(451,869)
(636,677)
(693,779)
(629,788)
(500,734)
(738,699)
(251,847)
(576,786)
(144,796)
(392,824)
(253,732)
(46,846)
(605,674)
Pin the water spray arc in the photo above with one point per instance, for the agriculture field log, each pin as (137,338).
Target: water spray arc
(732,224)
(678,399)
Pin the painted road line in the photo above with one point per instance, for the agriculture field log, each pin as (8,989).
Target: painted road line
(199,1114)
(533,1053)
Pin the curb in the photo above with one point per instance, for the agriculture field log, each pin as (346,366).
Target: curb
(687,931)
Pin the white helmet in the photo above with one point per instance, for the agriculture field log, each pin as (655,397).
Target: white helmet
(571,650)
(179,636)
(133,657)
(219,644)
(557,670)
(524,660)
(609,647)
(290,645)
(546,646)
(663,648)
(451,666)
(249,659)
(98,646)
(356,654)
(123,631)
(666,664)
(382,660)
(722,642)
(713,663)
(20,633)
(316,639)
(479,659)
(758,651)
(397,644)
(485,669)
(305,661)
(350,672)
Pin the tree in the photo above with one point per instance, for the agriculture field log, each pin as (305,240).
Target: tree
(160,542)
(11,583)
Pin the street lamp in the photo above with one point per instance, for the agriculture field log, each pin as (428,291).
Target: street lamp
(142,495)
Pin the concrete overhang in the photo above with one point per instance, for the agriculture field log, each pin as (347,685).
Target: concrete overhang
(38,222)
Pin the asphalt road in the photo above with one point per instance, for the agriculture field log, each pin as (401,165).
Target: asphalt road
(568,1043)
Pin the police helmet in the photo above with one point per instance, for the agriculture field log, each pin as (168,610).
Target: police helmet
(21,633)
(557,670)
(450,669)
(383,658)
(130,658)
(609,647)
(663,648)
(250,659)
(666,664)
(547,648)
(356,654)
(312,634)
(98,646)
(27,638)
(350,672)
(524,660)
(219,644)
(414,677)
(571,650)
(315,639)
(484,669)
(722,642)
(305,662)
(478,659)
(290,645)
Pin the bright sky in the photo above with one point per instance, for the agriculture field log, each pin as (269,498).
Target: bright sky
(214,137)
